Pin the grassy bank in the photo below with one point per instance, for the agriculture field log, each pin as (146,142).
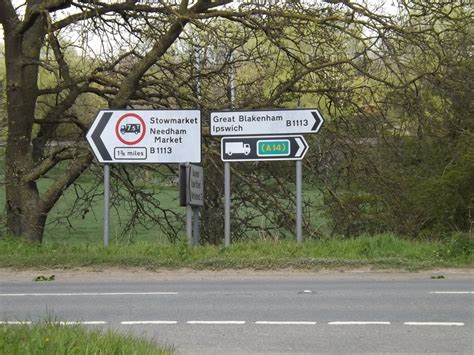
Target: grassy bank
(382,251)
(50,338)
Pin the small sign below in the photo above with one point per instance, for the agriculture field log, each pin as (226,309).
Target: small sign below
(195,185)
(259,148)
(191,185)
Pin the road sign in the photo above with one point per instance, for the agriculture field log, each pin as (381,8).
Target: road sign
(191,185)
(235,123)
(258,148)
(146,136)
(195,185)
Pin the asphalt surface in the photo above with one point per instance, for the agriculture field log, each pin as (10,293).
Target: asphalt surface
(260,312)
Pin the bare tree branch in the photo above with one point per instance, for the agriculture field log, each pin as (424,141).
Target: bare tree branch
(56,190)
(8,17)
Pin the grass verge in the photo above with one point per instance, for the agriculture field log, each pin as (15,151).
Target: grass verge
(50,338)
(381,251)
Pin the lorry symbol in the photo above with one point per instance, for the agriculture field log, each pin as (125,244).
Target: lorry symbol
(237,148)
(130,128)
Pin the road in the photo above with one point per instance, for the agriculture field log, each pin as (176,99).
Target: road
(259,312)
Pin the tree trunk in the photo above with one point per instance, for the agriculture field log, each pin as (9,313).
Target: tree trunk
(23,205)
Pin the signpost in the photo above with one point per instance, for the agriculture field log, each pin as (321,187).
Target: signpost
(146,136)
(241,123)
(195,197)
(249,145)
(143,136)
(261,148)
(191,195)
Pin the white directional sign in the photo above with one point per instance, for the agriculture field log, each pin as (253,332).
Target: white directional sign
(235,123)
(146,136)
(259,148)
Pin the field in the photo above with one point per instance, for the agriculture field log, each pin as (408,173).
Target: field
(74,222)
(88,227)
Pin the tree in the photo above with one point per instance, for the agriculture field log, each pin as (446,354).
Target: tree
(136,54)
(31,28)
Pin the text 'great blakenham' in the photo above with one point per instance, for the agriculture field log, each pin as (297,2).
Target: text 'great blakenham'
(228,120)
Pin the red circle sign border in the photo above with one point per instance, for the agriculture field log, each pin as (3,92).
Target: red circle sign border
(117,131)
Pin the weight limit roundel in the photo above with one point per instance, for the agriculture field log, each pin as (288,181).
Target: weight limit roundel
(130,128)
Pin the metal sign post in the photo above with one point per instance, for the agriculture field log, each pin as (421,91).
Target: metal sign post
(196,225)
(189,224)
(227,206)
(299,202)
(227,171)
(106,203)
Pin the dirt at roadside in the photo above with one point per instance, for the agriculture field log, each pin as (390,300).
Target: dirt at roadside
(142,274)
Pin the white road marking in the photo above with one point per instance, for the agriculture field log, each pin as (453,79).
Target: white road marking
(14,322)
(285,323)
(80,322)
(216,322)
(359,323)
(456,324)
(90,294)
(238,322)
(137,322)
(453,292)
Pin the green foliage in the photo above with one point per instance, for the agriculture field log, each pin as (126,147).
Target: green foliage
(417,188)
(404,158)
(446,200)
(52,338)
(458,246)
(356,212)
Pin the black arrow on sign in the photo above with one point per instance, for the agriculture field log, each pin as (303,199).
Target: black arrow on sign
(96,136)
(318,120)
